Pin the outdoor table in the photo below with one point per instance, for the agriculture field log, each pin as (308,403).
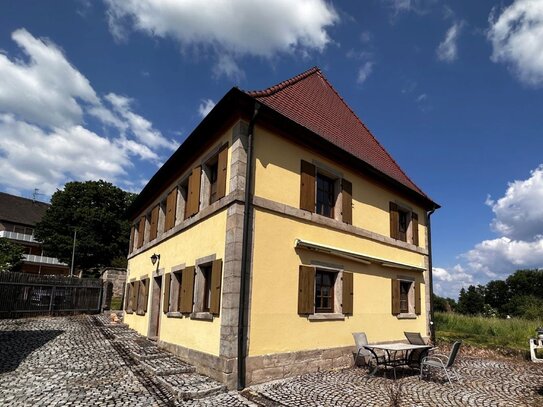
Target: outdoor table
(391,350)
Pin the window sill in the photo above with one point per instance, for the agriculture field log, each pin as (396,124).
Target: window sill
(174,315)
(406,316)
(202,316)
(326,317)
(141,313)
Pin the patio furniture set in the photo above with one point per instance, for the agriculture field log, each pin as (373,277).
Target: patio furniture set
(416,354)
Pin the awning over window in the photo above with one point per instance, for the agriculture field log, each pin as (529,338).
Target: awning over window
(358,257)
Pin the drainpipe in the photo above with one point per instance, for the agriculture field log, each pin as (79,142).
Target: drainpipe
(245,255)
(430,276)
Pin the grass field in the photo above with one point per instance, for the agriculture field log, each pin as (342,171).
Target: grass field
(485,332)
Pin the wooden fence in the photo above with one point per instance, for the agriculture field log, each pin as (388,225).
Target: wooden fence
(31,294)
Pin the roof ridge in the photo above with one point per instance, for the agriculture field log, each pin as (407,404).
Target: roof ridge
(368,130)
(286,83)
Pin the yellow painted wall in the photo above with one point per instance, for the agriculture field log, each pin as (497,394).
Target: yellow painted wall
(278,179)
(204,239)
(275,325)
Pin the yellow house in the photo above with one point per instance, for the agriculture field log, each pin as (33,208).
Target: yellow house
(330,237)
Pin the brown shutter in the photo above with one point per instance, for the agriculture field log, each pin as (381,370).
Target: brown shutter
(307,187)
(127,298)
(167,282)
(136,296)
(171,205)
(187,289)
(193,194)
(154,223)
(306,290)
(415,228)
(145,283)
(417,299)
(394,221)
(222,167)
(395,297)
(131,245)
(347,201)
(347,293)
(141,230)
(216,278)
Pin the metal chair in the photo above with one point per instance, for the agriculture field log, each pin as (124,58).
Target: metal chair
(416,355)
(360,340)
(441,362)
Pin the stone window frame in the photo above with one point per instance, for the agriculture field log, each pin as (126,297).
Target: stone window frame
(407,211)
(211,159)
(175,291)
(410,314)
(337,313)
(198,309)
(336,177)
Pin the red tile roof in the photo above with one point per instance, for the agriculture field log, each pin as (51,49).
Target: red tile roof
(311,101)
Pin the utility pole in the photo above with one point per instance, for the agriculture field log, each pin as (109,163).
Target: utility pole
(73,254)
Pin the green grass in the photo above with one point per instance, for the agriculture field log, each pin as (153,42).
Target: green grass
(116,304)
(485,332)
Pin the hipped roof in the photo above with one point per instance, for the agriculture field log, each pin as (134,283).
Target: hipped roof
(310,111)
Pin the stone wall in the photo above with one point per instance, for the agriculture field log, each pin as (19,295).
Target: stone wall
(113,282)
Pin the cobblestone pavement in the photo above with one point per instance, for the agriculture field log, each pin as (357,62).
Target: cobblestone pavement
(482,383)
(87,361)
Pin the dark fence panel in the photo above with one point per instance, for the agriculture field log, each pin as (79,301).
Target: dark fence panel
(32,294)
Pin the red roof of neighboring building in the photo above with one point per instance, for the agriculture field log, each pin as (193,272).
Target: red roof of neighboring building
(311,101)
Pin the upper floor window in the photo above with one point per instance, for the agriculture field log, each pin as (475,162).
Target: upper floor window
(325,195)
(213,171)
(404,224)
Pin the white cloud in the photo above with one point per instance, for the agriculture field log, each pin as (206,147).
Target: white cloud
(447,50)
(447,283)
(422,97)
(519,213)
(517,39)
(228,67)
(44,141)
(399,7)
(234,28)
(205,107)
(364,72)
(518,219)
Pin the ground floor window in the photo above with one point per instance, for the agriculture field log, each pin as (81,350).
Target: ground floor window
(324,290)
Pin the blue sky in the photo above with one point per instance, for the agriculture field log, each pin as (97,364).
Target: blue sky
(108,89)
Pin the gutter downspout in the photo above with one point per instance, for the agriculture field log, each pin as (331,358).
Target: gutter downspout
(430,276)
(245,255)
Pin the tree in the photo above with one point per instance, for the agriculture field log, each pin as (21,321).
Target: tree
(442,304)
(471,301)
(497,295)
(97,211)
(11,255)
(526,282)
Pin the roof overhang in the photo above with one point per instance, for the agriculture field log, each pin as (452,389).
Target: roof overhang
(354,256)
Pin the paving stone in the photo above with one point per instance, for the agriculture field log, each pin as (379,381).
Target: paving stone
(167,366)
(191,385)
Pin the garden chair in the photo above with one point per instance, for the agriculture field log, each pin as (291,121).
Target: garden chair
(360,340)
(441,362)
(416,355)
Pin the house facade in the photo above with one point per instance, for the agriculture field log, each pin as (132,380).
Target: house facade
(18,217)
(330,237)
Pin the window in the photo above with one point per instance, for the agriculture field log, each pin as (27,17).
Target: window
(406,298)
(323,193)
(325,196)
(206,275)
(324,291)
(201,289)
(215,176)
(129,306)
(404,224)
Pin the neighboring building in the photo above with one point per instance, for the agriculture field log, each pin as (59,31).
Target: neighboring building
(18,216)
(337,239)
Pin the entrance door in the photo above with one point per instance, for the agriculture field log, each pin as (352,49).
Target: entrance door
(154,320)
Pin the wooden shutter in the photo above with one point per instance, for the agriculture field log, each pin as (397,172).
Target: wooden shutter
(395,297)
(307,187)
(187,289)
(193,194)
(171,205)
(415,228)
(127,298)
(347,201)
(347,293)
(306,290)
(141,230)
(216,279)
(167,283)
(145,283)
(132,233)
(136,296)
(154,223)
(222,166)
(417,299)
(394,221)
